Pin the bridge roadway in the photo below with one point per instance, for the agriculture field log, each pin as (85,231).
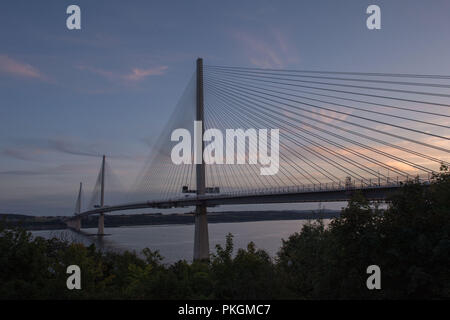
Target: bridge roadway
(285,195)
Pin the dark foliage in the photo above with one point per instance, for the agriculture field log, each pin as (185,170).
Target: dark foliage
(409,240)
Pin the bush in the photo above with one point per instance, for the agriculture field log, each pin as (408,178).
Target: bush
(409,241)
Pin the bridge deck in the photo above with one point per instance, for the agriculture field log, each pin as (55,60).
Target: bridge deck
(287,195)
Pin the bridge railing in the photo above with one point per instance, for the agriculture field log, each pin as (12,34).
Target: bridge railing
(305,188)
(323,187)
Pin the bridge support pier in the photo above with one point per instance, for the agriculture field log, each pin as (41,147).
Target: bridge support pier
(101,225)
(74,224)
(201,238)
(78,224)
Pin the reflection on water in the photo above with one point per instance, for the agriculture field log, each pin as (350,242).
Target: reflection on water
(176,242)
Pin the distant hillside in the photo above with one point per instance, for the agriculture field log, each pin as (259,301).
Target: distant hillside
(13,216)
(32,222)
(42,223)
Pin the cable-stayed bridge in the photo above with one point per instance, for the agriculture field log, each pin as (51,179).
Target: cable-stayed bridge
(339,132)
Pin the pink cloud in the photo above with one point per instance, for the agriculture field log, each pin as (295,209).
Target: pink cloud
(273,51)
(100,72)
(135,75)
(139,74)
(19,69)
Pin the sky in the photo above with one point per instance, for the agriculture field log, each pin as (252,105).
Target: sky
(69,96)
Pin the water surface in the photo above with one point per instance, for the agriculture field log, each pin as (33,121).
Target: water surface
(176,242)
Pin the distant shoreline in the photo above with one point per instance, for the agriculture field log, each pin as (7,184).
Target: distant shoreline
(56,223)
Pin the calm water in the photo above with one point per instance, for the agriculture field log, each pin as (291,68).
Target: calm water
(176,242)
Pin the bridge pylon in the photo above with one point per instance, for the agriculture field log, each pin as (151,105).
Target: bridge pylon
(75,223)
(101,217)
(78,203)
(201,236)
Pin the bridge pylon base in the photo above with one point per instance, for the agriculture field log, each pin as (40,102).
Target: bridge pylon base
(201,237)
(78,224)
(101,225)
(74,224)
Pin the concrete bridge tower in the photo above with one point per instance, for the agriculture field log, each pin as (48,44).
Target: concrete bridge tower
(201,237)
(101,217)
(76,222)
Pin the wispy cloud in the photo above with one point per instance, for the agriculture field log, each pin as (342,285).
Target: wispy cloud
(134,75)
(20,69)
(20,172)
(29,154)
(272,51)
(69,147)
(33,150)
(139,74)
(38,150)
(104,73)
(53,170)
(81,149)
